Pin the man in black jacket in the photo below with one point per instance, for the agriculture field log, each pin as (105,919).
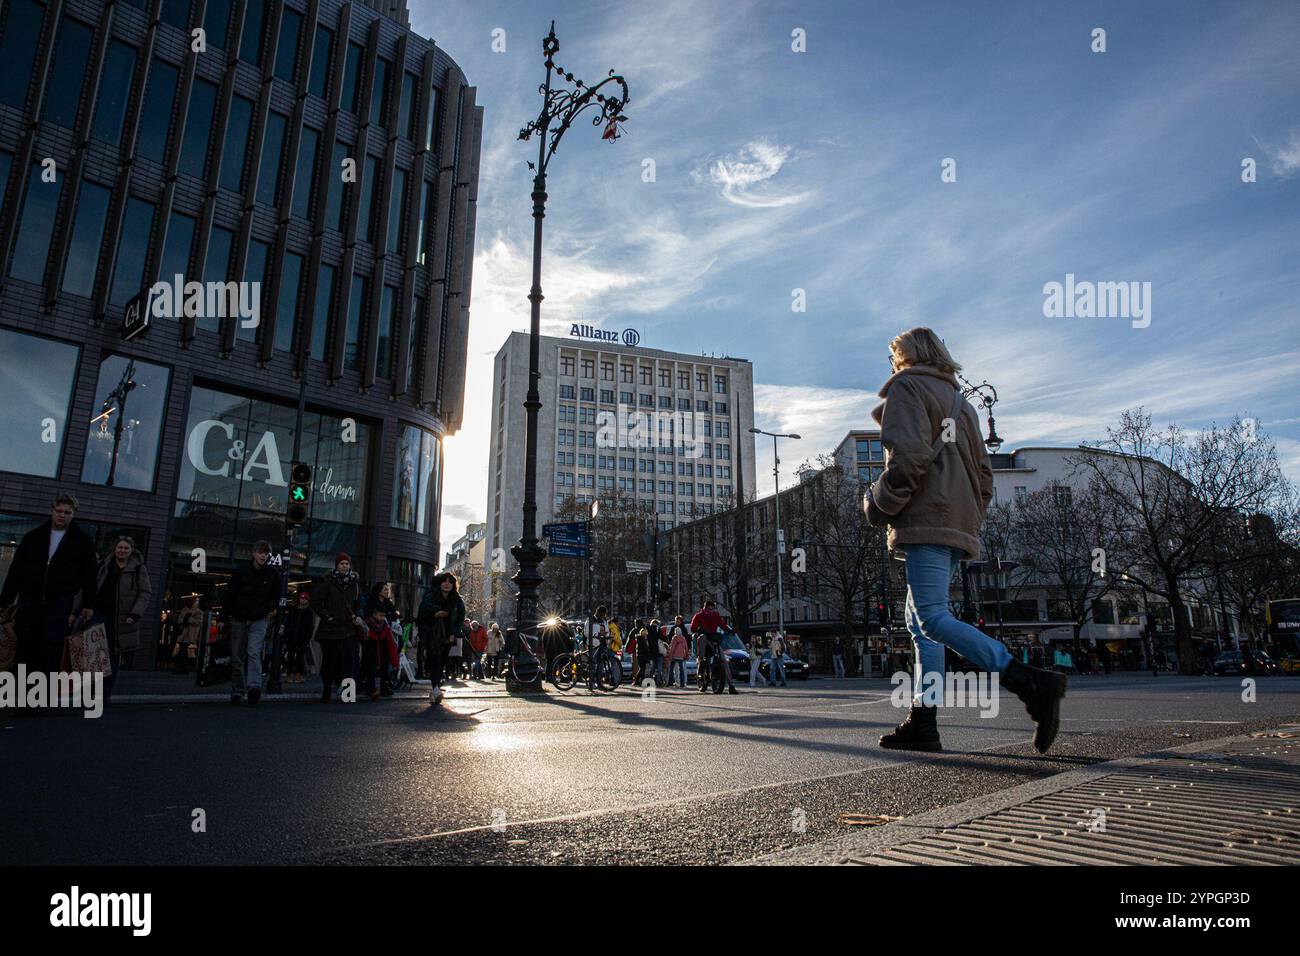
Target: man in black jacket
(54,562)
(251,599)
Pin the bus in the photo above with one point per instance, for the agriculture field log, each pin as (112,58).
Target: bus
(1284,625)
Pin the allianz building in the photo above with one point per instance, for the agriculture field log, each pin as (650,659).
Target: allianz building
(142,140)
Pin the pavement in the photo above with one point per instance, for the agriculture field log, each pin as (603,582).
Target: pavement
(570,778)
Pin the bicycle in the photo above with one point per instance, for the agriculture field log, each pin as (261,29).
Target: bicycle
(574,667)
(526,662)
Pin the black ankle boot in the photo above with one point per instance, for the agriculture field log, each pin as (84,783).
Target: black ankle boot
(1041,690)
(919,731)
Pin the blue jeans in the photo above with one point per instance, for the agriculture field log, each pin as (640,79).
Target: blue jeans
(677,667)
(246,640)
(931,624)
(777,670)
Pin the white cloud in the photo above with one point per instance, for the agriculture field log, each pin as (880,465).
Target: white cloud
(1284,160)
(745,176)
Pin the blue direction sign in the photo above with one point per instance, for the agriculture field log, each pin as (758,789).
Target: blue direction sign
(574,532)
(558,550)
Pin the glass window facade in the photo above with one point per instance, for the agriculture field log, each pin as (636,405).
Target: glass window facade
(379,92)
(176,249)
(305,176)
(216,22)
(221,245)
(234,479)
(352,76)
(250,43)
(356,318)
(286,56)
(114,91)
(416,480)
(198,129)
(176,13)
(384,354)
(365,217)
(132,250)
(235,149)
(36,379)
(67,72)
(336,207)
(18,45)
(406,107)
(36,228)
(397,210)
(286,309)
(318,82)
(320,320)
(159,102)
(122,447)
(87,235)
(259,254)
(268,179)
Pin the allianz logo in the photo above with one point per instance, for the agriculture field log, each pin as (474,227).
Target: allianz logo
(629,337)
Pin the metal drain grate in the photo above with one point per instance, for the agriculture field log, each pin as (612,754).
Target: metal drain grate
(1237,806)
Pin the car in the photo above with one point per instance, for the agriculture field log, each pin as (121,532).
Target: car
(794,668)
(1244,662)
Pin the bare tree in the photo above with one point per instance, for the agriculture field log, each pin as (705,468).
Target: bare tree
(1163,494)
(1056,530)
(842,552)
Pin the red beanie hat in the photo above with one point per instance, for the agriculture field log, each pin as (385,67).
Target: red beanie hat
(342,556)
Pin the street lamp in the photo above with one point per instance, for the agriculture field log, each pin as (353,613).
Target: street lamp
(780,534)
(560,107)
(988,397)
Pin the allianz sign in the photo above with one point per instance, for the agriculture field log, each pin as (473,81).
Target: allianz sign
(629,337)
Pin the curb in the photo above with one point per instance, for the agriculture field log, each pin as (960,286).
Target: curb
(933,822)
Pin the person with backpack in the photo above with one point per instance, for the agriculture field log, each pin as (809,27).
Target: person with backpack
(707,623)
(933,494)
(441,618)
(337,601)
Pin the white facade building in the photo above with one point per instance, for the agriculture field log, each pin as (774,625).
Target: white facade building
(669,429)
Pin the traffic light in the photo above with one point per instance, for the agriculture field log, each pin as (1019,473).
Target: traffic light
(299,495)
(980,622)
(882,613)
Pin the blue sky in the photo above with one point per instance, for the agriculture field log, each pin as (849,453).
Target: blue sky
(777,170)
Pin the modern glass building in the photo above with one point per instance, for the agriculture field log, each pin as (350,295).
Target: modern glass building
(313,164)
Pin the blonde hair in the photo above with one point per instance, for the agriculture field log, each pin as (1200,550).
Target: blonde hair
(920,346)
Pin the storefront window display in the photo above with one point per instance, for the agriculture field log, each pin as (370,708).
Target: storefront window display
(36,377)
(417,481)
(125,432)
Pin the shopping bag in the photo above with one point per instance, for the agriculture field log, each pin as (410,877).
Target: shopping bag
(86,652)
(216,663)
(8,638)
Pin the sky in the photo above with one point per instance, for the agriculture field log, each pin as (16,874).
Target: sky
(823,170)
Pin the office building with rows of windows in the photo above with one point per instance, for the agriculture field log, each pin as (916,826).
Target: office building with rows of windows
(669,430)
(313,164)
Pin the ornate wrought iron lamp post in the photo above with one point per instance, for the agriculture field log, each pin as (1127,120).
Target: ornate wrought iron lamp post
(561,106)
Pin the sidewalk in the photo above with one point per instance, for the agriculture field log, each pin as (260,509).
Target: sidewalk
(1235,800)
(162,687)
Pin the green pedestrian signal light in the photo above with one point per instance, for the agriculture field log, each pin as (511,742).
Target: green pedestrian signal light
(299,495)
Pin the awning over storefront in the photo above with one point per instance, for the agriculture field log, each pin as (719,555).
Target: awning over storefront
(1094,632)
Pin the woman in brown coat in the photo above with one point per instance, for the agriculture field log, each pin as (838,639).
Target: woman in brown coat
(122,597)
(933,494)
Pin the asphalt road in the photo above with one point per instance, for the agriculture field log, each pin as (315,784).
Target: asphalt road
(572,778)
